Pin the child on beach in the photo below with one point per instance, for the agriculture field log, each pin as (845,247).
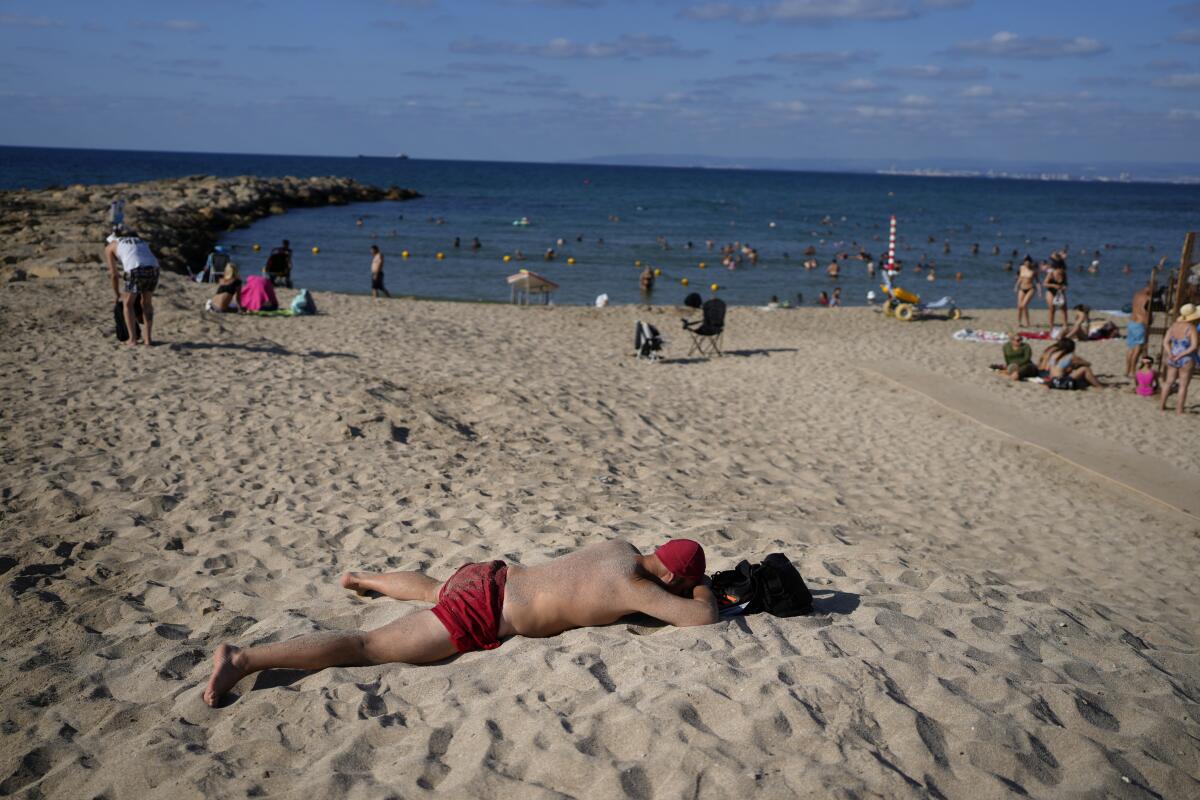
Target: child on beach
(1146,379)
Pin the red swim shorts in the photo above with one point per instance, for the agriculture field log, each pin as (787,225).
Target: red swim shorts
(469,605)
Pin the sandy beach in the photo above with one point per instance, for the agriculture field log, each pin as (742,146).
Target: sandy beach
(993,618)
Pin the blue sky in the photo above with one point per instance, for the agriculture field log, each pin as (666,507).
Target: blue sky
(547,80)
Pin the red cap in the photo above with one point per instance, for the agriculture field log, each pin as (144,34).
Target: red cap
(683,557)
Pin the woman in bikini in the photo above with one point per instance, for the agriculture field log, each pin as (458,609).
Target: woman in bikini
(1026,287)
(1056,290)
(1182,357)
(227,290)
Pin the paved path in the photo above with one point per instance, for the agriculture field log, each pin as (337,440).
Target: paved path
(1147,476)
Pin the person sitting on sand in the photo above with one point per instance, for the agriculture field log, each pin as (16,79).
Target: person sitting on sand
(227,291)
(1182,342)
(483,603)
(1018,358)
(823,299)
(1078,329)
(1069,371)
(1047,356)
(1146,378)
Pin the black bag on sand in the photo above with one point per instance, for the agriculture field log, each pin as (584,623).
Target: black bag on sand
(774,586)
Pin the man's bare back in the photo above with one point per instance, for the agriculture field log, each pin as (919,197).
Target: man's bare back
(595,586)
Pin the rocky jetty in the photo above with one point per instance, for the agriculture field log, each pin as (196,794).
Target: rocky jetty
(43,232)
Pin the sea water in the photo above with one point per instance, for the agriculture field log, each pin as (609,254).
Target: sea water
(611,219)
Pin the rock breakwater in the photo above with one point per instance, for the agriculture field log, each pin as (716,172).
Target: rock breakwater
(46,231)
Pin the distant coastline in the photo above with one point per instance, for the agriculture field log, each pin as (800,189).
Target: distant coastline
(1182,174)
(1179,174)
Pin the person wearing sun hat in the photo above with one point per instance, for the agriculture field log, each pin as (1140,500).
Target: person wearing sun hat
(486,602)
(1182,343)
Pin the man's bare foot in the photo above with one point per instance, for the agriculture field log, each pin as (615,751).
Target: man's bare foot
(226,673)
(349,580)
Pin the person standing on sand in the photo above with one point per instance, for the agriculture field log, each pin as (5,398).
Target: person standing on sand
(1056,288)
(140,271)
(1135,332)
(1182,342)
(377,273)
(483,603)
(1026,287)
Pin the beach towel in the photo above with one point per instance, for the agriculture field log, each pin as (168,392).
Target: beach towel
(984,337)
(942,303)
(257,294)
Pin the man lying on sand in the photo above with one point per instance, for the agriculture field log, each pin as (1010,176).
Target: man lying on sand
(482,603)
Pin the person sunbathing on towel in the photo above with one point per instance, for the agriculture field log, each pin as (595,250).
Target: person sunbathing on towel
(483,603)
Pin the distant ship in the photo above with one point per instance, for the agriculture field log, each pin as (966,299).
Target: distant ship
(402,156)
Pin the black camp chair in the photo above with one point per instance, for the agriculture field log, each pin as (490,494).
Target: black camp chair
(706,331)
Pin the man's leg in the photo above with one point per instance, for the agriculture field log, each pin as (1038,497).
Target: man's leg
(418,638)
(127,301)
(397,585)
(147,315)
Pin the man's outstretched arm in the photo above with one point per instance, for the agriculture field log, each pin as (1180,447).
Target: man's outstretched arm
(682,612)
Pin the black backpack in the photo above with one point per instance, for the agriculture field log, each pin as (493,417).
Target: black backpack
(774,586)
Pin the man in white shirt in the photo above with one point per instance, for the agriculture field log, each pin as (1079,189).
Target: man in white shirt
(129,258)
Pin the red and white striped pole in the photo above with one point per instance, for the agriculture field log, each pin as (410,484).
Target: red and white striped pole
(891,262)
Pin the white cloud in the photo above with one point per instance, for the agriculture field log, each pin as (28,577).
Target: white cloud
(803,12)
(1191,36)
(816,60)
(1179,81)
(886,112)
(1006,44)
(1188,114)
(978,90)
(857,86)
(916,101)
(789,106)
(21,21)
(627,46)
(172,25)
(935,72)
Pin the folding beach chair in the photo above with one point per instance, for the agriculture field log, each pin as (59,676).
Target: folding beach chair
(706,332)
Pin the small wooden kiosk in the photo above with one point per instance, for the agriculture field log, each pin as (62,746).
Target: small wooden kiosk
(526,284)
